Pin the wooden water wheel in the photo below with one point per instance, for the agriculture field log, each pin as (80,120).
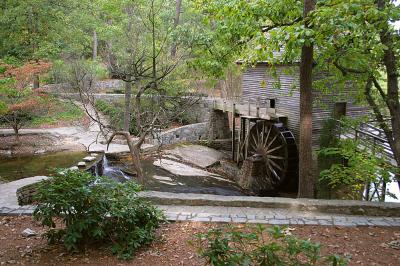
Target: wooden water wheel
(276,145)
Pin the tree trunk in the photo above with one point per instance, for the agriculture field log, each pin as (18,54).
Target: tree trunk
(134,151)
(36,82)
(127,113)
(176,23)
(16,132)
(95,45)
(306,173)
(392,99)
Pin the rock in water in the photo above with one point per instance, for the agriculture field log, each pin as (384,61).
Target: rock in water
(28,232)
(89,158)
(200,156)
(181,169)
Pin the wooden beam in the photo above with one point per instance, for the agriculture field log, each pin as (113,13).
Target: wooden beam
(246,146)
(233,130)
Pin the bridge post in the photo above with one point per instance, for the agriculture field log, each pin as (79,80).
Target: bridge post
(233,129)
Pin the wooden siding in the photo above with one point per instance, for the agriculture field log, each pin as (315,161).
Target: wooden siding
(260,82)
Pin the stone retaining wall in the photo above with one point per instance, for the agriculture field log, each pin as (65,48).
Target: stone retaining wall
(189,133)
(217,144)
(108,84)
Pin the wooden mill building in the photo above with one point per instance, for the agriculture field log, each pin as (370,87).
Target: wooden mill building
(269,111)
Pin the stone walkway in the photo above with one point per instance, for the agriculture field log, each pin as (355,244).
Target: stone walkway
(8,196)
(250,215)
(270,216)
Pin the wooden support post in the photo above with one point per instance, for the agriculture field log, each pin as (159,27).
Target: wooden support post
(239,151)
(258,107)
(233,130)
(247,138)
(249,113)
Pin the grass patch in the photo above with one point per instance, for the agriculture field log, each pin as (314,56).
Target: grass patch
(58,111)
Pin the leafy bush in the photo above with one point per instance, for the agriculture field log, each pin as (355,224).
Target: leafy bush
(356,168)
(259,246)
(95,209)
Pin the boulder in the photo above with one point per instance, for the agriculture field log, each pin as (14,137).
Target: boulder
(198,155)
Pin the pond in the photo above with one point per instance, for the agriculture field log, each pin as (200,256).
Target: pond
(15,168)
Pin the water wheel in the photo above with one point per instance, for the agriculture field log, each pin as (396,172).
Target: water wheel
(277,147)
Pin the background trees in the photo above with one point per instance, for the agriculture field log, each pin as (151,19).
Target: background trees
(18,103)
(354,42)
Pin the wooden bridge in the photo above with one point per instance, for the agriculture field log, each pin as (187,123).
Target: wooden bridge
(254,108)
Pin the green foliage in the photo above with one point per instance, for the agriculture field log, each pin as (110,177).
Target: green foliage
(259,246)
(58,111)
(356,168)
(61,70)
(19,106)
(113,111)
(95,210)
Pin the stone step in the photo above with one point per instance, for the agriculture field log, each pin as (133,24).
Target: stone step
(348,207)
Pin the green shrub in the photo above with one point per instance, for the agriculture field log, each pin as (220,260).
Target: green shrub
(95,210)
(2,69)
(356,168)
(259,246)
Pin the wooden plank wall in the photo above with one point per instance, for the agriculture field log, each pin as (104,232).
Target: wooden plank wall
(260,82)
(286,104)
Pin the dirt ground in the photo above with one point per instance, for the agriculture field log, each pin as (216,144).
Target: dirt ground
(363,245)
(35,144)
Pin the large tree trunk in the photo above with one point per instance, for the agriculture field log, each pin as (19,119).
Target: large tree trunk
(392,99)
(306,173)
(95,45)
(127,113)
(176,23)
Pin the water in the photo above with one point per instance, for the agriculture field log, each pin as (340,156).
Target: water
(393,187)
(15,168)
(114,172)
(158,179)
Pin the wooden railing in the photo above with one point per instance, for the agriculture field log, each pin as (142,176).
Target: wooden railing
(372,139)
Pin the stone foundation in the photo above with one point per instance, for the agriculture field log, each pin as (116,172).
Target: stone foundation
(252,177)
(219,125)
(189,133)
(217,144)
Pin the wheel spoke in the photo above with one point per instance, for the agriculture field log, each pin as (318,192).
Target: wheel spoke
(276,157)
(254,148)
(275,164)
(274,149)
(272,141)
(266,139)
(254,139)
(262,134)
(272,171)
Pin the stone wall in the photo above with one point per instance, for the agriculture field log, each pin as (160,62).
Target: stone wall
(108,84)
(219,125)
(190,133)
(217,144)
